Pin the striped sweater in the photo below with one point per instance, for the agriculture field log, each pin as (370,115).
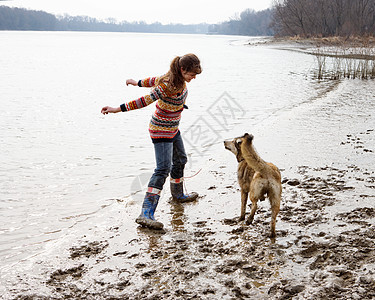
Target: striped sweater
(166,118)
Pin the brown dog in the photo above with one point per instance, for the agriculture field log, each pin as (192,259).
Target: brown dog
(256,177)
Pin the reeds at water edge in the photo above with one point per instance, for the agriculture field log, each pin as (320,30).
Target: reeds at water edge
(345,61)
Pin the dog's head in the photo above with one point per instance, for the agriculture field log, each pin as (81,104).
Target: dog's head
(234,145)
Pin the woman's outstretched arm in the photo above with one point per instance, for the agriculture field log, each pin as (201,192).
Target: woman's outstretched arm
(107,109)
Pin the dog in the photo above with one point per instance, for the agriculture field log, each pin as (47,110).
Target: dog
(257,179)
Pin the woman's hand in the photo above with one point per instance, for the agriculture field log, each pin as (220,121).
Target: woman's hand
(107,109)
(132,82)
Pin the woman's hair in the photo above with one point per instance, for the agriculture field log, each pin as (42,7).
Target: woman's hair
(188,63)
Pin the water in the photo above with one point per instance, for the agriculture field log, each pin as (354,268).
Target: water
(62,162)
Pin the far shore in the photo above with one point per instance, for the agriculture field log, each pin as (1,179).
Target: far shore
(335,46)
(349,41)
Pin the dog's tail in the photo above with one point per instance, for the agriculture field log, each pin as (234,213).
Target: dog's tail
(251,156)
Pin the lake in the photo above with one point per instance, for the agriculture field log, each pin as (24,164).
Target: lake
(63,162)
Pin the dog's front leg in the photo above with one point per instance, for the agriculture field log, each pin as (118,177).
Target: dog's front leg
(244,196)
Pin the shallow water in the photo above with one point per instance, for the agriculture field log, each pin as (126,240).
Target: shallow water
(63,163)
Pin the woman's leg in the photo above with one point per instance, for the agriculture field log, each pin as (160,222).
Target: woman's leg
(163,155)
(179,161)
(179,158)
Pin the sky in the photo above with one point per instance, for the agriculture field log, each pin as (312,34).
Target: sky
(164,11)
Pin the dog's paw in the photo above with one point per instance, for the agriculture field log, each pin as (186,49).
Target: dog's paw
(249,221)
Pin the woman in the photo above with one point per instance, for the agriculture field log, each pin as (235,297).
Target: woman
(170,92)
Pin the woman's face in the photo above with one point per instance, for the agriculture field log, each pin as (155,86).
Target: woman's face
(188,76)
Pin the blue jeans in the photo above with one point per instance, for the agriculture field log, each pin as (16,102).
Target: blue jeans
(170,158)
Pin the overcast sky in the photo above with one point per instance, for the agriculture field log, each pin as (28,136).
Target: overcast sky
(164,11)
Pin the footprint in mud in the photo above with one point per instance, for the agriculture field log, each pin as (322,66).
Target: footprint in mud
(203,233)
(292,182)
(358,214)
(200,224)
(231,222)
(149,273)
(310,251)
(238,230)
(92,248)
(356,141)
(60,275)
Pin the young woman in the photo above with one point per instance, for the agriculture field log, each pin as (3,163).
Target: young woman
(170,92)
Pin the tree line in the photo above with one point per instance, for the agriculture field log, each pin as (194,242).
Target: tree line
(23,19)
(324,17)
(306,18)
(248,22)
(79,23)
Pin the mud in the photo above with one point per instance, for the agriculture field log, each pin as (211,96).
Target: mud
(317,254)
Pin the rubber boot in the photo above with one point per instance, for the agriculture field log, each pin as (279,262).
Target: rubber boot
(177,191)
(146,218)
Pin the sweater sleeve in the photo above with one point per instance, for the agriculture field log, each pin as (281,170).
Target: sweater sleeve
(147,82)
(157,93)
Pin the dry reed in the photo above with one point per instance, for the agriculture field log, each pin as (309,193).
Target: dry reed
(345,61)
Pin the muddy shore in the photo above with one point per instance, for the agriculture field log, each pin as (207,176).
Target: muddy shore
(215,257)
(325,244)
(338,47)
(351,41)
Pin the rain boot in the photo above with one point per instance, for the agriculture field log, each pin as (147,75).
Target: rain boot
(146,218)
(177,191)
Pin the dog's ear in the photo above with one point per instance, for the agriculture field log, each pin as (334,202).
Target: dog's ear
(248,137)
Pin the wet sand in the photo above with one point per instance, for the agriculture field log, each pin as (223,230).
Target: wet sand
(324,247)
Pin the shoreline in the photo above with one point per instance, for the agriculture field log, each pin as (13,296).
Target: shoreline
(328,47)
(327,41)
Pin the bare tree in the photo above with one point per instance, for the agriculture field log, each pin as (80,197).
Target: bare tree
(324,17)
(291,15)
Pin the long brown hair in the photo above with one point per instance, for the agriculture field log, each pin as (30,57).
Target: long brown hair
(189,63)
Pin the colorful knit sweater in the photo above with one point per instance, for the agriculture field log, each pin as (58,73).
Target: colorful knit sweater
(166,118)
